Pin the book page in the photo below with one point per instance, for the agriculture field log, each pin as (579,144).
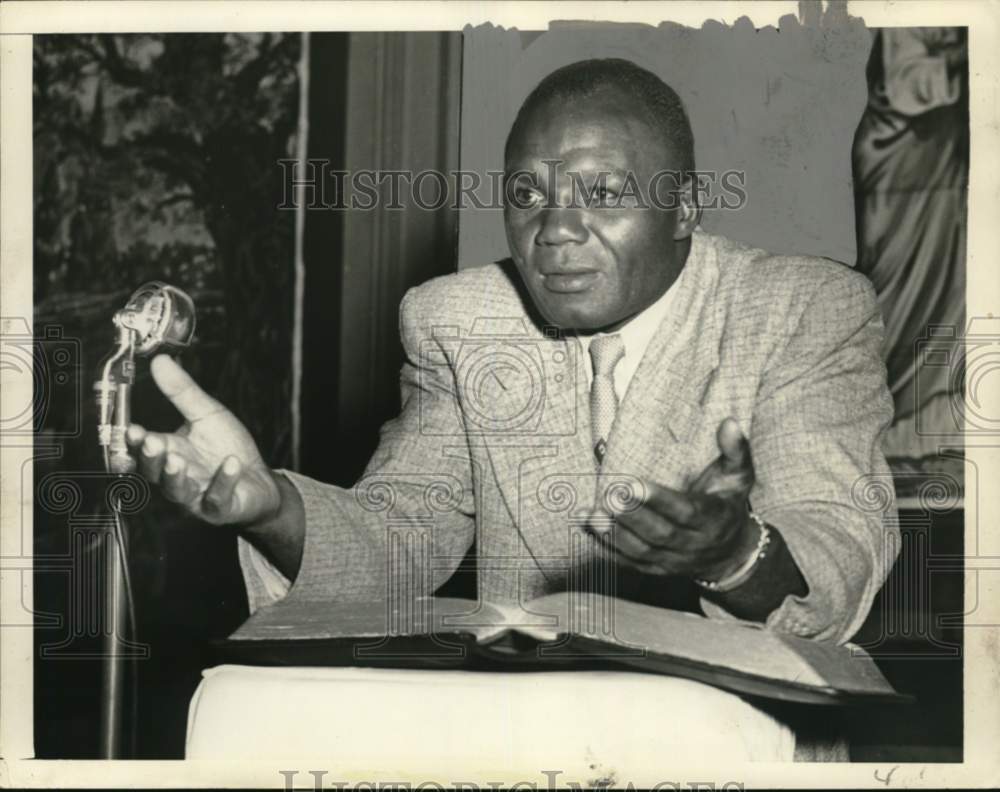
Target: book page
(296,619)
(643,633)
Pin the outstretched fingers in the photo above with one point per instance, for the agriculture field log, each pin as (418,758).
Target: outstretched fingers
(150,451)
(175,482)
(182,391)
(218,498)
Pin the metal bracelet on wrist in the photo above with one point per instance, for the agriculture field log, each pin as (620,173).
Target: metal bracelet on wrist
(741,575)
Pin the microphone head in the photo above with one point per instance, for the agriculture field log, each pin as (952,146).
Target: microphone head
(162,317)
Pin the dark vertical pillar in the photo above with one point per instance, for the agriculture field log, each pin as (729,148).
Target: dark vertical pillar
(322,253)
(402,115)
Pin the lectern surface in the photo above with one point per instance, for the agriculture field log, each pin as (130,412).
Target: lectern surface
(450,722)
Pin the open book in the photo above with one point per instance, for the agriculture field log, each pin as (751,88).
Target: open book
(560,630)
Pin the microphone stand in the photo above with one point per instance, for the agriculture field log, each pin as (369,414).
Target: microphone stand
(157,315)
(113,670)
(113,391)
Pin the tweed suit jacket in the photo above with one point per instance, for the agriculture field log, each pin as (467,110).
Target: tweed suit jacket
(493,443)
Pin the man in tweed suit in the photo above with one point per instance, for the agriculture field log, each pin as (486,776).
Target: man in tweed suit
(738,395)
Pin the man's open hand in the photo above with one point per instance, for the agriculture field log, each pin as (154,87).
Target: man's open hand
(211,465)
(703,532)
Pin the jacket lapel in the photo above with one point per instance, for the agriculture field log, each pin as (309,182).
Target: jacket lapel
(547,472)
(662,406)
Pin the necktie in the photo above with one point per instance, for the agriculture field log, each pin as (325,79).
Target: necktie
(605,352)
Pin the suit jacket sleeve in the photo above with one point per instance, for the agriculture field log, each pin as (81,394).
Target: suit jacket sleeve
(409,520)
(822,479)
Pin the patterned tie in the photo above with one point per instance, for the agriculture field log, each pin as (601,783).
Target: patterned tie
(605,352)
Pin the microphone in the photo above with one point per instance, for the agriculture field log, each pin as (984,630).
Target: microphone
(157,317)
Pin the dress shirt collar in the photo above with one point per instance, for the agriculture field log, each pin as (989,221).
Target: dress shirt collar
(636,335)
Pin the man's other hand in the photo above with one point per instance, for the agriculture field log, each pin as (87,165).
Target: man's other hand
(703,532)
(211,465)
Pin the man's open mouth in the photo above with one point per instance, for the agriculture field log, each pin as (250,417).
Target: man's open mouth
(569,282)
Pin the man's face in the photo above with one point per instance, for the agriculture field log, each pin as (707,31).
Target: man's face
(590,268)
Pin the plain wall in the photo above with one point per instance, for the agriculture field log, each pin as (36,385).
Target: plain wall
(780,104)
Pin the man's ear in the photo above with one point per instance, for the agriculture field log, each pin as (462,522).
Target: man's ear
(688,211)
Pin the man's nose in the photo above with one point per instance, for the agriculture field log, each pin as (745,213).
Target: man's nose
(560,225)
